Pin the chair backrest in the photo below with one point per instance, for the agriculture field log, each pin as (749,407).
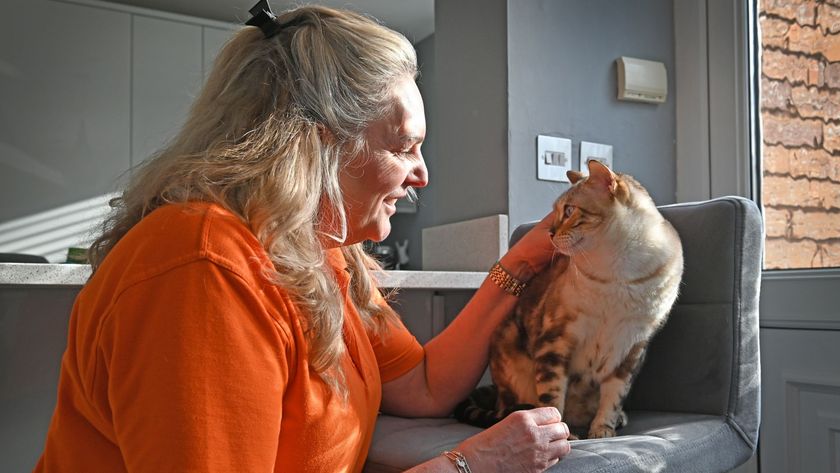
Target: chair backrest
(705,360)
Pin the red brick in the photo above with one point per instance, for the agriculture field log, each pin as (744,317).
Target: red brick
(791,131)
(819,225)
(816,74)
(778,223)
(782,254)
(775,95)
(831,137)
(797,224)
(810,40)
(801,162)
(832,75)
(790,67)
(812,102)
(828,18)
(803,11)
(776,159)
(774,32)
(786,191)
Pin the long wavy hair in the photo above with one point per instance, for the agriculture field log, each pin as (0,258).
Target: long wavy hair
(265,139)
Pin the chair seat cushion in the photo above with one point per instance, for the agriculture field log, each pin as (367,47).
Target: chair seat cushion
(652,441)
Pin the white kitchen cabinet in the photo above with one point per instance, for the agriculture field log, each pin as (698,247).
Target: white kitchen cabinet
(214,39)
(64,103)
(166,75)
(88,89)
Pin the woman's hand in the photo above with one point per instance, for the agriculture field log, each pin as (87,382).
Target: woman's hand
(532,252)
(528,441)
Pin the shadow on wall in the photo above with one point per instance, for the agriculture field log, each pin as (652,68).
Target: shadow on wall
(52,232)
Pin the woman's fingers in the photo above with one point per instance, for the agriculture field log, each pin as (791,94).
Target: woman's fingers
(545,415)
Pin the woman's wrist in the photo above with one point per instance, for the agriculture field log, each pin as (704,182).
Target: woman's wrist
(519,268)
(459,461)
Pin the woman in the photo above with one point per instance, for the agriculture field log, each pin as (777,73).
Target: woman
(231,322)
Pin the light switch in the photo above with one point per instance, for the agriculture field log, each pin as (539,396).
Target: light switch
(553,158)
(597,151)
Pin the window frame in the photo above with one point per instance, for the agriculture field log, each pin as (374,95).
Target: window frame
(717,110)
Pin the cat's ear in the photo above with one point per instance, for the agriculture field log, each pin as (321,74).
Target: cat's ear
(601,176)
(574,176)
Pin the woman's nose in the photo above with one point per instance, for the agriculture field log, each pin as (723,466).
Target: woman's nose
(418,175)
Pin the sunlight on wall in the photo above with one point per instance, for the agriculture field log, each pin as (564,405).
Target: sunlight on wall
(52,232)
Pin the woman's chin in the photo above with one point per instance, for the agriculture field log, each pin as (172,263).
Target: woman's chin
(375,233)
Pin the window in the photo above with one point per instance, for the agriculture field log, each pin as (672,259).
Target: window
(799,103)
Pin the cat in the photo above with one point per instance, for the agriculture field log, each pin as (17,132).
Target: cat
(579,333)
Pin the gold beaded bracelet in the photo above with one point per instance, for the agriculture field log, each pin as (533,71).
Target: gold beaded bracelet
(458,460)
(505,280)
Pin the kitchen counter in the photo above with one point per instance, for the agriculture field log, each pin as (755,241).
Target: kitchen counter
(70,275)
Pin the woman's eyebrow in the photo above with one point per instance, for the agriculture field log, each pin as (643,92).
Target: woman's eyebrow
(410,139)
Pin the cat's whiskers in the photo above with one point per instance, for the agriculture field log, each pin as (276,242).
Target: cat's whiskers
(583,255)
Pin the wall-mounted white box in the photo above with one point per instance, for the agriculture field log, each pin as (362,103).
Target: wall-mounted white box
(554,158)
(640,80)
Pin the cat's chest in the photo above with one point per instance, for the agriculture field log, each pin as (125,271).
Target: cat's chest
(639,302)
(605,326)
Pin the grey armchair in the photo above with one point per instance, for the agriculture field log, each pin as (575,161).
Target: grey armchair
(695,405)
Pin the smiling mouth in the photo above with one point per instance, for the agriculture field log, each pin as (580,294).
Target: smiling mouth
(392,200)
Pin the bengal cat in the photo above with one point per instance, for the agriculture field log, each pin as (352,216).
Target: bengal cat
(580,330)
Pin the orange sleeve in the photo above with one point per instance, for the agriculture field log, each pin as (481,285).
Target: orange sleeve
(396,349)
(196,373)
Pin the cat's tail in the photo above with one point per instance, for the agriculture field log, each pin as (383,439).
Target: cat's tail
(479,409)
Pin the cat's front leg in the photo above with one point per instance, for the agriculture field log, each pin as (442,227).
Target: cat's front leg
(551,367)
(614,389)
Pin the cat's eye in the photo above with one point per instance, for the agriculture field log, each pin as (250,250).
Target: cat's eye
(568,210)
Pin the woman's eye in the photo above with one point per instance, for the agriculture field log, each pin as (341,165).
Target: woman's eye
(568,210)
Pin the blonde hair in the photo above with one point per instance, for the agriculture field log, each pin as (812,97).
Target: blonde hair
(266,139)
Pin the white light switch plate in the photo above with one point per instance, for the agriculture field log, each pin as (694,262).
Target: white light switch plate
(554,158)
(601,152)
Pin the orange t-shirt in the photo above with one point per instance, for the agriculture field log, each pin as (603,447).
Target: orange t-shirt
(182,357)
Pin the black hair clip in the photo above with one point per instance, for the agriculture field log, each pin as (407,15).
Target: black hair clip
(262,17)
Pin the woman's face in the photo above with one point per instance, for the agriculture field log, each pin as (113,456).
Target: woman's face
(374,180)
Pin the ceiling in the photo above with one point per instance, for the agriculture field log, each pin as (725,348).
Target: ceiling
(415,18)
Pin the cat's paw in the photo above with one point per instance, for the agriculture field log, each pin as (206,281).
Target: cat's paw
(622,419)
(601,432)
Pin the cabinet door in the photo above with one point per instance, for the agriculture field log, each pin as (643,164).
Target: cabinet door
(800,418)
(214,39)
(166,76)
(64,108)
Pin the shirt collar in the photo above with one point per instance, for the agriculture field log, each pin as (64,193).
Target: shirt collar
(336,260)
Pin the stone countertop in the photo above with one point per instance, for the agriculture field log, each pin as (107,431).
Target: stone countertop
(64,275)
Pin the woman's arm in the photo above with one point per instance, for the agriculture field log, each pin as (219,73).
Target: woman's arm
(457,357)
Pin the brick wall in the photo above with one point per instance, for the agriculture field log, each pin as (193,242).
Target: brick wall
(800,112)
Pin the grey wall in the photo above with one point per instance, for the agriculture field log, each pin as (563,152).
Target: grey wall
(493,82)
(471,114)
(562,80)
